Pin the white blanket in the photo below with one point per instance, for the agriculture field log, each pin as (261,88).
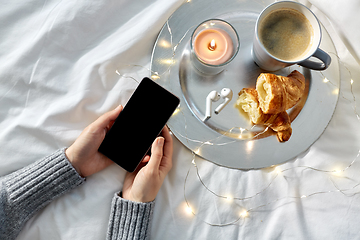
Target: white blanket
(59,70)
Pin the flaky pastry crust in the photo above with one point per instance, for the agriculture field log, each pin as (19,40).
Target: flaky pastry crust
(277,93)
(267,104)
(248,102)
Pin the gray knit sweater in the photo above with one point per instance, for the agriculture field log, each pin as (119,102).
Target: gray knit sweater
(28,190)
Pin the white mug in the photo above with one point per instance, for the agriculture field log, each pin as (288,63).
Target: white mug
(267,61)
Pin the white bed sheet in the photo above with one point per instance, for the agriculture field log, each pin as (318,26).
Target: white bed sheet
(58,72)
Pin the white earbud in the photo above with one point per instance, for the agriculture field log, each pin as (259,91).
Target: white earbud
(213,96)
(227,94)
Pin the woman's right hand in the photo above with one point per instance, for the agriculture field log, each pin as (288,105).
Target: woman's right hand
(144,183)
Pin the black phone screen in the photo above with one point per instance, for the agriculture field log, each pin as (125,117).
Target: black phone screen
(138,124)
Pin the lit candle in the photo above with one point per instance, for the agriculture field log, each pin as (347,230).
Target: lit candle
(213,46)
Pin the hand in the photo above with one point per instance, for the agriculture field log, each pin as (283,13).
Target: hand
(144,183)
(83,153)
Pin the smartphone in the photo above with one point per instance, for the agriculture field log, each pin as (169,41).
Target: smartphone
(138,124)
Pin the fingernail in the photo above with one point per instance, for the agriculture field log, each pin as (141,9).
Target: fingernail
(160,141)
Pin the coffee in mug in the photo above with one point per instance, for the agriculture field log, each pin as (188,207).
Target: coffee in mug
(286,34)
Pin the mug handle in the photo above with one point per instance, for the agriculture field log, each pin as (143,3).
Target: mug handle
(322,56)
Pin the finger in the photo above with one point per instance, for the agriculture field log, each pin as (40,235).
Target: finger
(168,148)
(156,153)
(104,120)
(138,168)
(110,124)
(146,158)
(165,131)
(166,162)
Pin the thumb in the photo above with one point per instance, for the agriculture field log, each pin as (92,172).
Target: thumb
(156,153)
(104,120)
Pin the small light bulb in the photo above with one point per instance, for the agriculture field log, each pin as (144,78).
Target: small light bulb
(325,80)
(154,77)
(241,132)
(164,44)
(167,61)
(351,81)
(188,209)
(244,214)
(177,110)
(229,198)
(278,170)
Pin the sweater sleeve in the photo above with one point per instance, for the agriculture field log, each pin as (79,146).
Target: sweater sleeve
(29,189)
(129,220)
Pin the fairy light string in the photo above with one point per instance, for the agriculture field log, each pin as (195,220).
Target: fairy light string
(351,86)
(277,170)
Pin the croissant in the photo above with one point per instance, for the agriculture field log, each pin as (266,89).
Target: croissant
(277,93)
(280,123)
(248,102)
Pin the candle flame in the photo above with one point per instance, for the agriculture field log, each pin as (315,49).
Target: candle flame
(212,45)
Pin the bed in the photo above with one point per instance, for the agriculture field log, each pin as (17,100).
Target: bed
(64,63)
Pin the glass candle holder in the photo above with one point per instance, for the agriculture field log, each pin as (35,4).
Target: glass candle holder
(214,44)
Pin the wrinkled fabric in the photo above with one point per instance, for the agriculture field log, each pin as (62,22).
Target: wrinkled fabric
(63,64)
